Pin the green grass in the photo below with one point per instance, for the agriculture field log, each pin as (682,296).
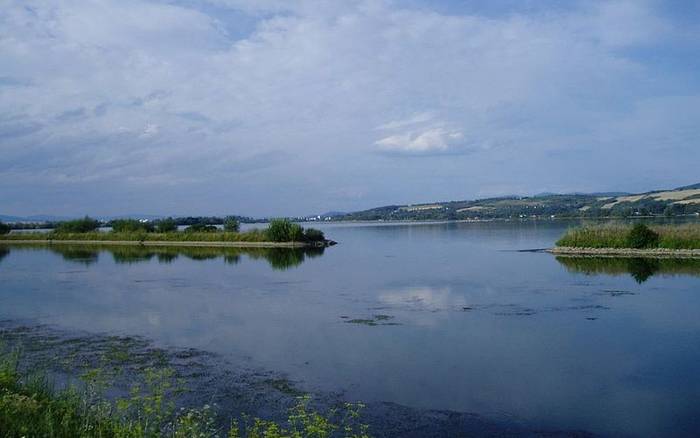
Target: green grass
(31,407)
(218,236)
(685,236)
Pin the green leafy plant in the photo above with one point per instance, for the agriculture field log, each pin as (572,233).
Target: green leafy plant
(284,230)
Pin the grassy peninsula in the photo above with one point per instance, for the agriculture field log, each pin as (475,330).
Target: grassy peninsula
(281,232)
(640,239)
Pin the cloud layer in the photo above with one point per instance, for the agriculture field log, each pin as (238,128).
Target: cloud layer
(112,106)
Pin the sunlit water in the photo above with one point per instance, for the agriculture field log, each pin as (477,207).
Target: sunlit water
(437,316)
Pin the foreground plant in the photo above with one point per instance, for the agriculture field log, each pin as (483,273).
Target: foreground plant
(31,407)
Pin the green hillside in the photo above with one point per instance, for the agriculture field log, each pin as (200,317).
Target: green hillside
(677,202)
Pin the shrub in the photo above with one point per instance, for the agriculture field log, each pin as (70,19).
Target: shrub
(201,228)
(642,236)
(283,230)
(4,228)
(84,225)
(131,226)
(166,225)
(231,224)
(314,235)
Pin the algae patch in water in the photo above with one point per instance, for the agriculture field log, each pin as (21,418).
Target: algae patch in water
(372,322)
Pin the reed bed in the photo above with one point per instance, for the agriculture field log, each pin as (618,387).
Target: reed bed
(686,236)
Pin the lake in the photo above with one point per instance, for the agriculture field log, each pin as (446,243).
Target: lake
(443,316)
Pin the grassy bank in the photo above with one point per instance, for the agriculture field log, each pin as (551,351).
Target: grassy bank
(129,230)
(670,237)
(97,236)
(31,407)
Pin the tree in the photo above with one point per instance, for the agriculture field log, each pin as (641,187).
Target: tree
(131,226)
(4,228)
(231,224)
(84,225)
(166,225)
(642,236)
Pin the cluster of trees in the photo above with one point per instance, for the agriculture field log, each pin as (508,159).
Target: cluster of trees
(169,225)
(84,225)
(4,228)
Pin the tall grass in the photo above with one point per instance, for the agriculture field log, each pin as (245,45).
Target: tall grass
(221,236)
(31,407)
(299,234)
(685,236)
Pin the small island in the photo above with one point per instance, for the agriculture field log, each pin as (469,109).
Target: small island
(281,233)
(640,240)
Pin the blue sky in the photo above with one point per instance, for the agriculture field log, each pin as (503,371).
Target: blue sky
(286,107)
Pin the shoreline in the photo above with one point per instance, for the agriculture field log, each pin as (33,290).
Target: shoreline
(623,252)
(165,243)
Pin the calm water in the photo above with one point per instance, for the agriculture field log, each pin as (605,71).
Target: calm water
(438,316)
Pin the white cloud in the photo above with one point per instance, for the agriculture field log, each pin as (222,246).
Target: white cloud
(431,140)
(144,90)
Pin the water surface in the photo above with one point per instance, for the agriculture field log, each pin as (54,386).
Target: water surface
(435,316)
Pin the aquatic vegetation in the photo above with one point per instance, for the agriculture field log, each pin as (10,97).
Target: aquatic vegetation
(374,321)
(30,405)
(640,236)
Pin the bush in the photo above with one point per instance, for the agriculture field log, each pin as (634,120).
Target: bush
(231,224)
(201,228)
(84,225)
(283,230)
(4,228)
(131,226)
(166,225)
(642,236)
(314,235)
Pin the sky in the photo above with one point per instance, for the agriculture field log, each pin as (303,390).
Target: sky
(295,107)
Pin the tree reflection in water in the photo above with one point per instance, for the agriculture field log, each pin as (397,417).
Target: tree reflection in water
(278,258)
(641,269)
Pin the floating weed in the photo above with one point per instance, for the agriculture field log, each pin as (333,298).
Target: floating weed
(284,386)
(376,320)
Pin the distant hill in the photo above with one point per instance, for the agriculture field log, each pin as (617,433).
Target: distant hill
(676,202)
(690,187)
